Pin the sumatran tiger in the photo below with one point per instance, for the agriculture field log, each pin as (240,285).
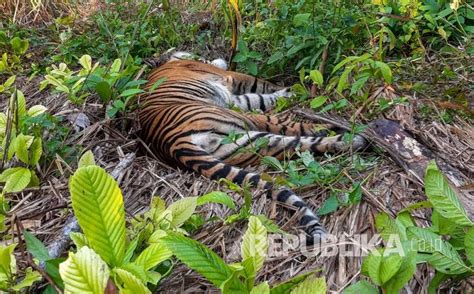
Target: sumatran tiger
(185,119)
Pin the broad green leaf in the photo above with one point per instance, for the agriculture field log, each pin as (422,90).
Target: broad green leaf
(182,210)
(130,283)
(389,267)
(200,258)
(84,272)
(361,287)
(36,110)
(19,45)
(86,159)
(156,236)
(385,70)
(269,224)
(469,245)
(311,285)
(131,92)
(30,277)
(153,255)
(255,243)
(373,262)
(7,262)
(443,197)
(18,179)
(318,101)
(441,255)
(262,288)
(301,19)
(131,249)
(86,62)
(98,205)
(404,274)
(285,287)
(36,247)
(115,67)
(386,226)
(272,162)
(342,84)
(317,77)
(216,197)
(36,150)
(79,239)
(103,89)
(275,57)
(22,144)
(330,205)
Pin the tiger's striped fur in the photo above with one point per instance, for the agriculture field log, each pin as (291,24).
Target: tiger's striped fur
(187,116)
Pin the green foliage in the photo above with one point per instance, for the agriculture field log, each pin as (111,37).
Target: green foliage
(13,49)
(393,266)
(9,280)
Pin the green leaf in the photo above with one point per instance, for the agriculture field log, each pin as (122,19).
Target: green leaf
(98,205)
(7,262)
(255,243)
(30,277)
(469,245)
(216,197)
(36,150)
(437,280)
(269,224)
(103,89)
(387,227)
(131,92)
(22,144)
(443,197)
(78,239)
(440,254)
(18,179)
(115,67)
(275,57)
(342,84)
(262,288)
(157,84)
(389,267)
(239,58)
(311,285)
(36,110)
(318,101)
(84,272)
(272,162)
(330,205)
(361,286)
(301,19)
(19,46)
(200,258)
(87,159)
(404,274)
(285,287)
(385,70)
(130,283)
(317,77)
(373,261)
(153,255)
(182,209)
(36,247)
(86,62)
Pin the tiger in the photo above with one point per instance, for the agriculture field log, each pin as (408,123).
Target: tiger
(185,119)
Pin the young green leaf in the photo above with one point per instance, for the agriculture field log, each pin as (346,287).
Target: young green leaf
(201,259)
(153,255)
(131,92)
(441,255)
(361,286)
(404,274)
(272,162)
(255,243)
(330,205)
(98,205)
(311,285)
(385,70)
(84,272)
(36,247)
(36,110)
(86,62)
(443,197)
(389,267)
(130,283)
(30,277)
(16,179)
(182,209)
(36,150)
(469,245)
(216,197)
(317,77)
(318,102)
(78,239)
(262,288)
(86,159)
(285,287)
(7,262)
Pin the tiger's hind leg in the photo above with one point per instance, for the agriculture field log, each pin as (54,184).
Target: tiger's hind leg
(198,159)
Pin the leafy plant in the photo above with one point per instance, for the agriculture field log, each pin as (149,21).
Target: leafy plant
(9,275)
(442,245)
(15,48)
(240,276)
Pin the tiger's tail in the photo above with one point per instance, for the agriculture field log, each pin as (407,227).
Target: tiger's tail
(199,160)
